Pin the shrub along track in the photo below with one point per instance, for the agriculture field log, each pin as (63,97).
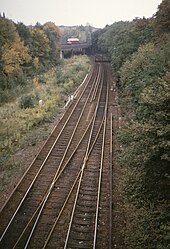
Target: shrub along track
(64,200)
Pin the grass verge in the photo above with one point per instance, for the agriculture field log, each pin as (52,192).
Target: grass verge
(24,122)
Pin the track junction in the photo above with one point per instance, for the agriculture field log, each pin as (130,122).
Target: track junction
(64,200)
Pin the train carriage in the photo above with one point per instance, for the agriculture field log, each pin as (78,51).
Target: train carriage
(71,41)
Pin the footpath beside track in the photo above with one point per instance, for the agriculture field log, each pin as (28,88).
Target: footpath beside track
(64,200)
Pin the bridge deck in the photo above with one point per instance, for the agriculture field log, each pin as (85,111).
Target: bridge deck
(75,46)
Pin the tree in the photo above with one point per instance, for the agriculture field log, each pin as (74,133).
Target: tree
(13,53)
(53,34)
(8,35)
(141,71)
(24,33)
(14,56)
(145,157)
(162,20)
(40,46)
(8,32)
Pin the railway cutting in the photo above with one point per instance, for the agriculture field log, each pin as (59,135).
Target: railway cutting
(64,200)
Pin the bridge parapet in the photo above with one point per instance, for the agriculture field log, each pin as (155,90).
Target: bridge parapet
(82,45)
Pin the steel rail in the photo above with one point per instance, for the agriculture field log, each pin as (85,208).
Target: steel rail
(87,78)
(101,170)
(96,87)
(100,177)
(111,184)
(81,176)
(61,211)
(55,176)
(53,182)
(42,165)
(77,175)
(110,165)
(73,133)
(89,152)
(45,198)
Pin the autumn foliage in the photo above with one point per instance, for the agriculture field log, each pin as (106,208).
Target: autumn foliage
(26,51)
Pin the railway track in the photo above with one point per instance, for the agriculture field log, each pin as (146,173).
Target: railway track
(64,200)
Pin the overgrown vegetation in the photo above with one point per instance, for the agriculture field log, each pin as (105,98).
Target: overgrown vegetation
(24,53)
(22,117)
(31,70)
(140,52)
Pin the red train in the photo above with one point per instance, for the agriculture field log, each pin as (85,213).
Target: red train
(71,41)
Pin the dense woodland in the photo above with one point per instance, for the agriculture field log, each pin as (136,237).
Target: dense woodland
(25,52)
(140,54)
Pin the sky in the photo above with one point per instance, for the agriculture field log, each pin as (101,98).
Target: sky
(97,13)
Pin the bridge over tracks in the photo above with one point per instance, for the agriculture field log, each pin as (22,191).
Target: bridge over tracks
(83,48)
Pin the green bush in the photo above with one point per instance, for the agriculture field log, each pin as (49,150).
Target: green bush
(4,96)
(28,101)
